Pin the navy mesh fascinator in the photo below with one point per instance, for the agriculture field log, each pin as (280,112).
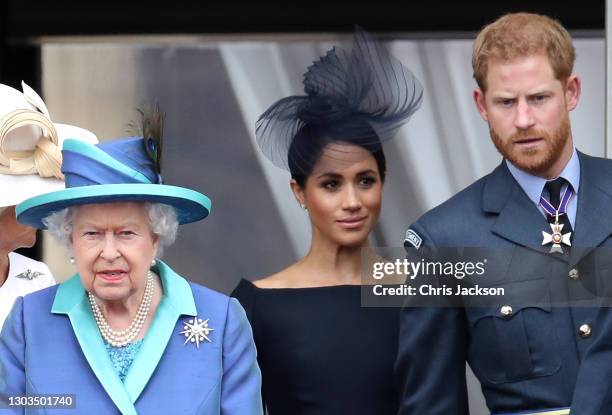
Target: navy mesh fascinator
(361,96)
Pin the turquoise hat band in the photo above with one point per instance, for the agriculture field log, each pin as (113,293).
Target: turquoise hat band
(190,205)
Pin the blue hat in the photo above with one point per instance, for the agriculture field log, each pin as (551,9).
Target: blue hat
(118,170)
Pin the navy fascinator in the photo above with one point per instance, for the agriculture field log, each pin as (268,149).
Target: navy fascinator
(360,96)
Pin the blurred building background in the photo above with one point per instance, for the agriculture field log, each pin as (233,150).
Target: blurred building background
(215,69)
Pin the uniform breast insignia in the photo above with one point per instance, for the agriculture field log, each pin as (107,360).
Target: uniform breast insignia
(413,239)
(196,331)
(29,274)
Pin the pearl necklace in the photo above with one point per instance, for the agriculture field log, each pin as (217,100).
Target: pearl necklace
(120,338)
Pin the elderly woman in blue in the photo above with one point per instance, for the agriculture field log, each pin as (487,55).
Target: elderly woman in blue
(126,334)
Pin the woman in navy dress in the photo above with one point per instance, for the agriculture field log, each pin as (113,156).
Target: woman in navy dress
(320,352)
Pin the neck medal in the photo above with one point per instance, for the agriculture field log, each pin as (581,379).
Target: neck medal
(557,237)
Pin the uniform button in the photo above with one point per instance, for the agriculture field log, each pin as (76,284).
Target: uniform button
(506,311)
(584,331)
(573,274)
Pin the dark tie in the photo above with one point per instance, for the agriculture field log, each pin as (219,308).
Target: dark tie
(554,192)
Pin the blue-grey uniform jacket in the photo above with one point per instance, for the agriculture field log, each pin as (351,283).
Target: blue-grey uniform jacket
(528,359)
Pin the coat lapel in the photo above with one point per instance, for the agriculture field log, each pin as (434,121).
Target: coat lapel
(518,220)
(594,214)
(177,300)
(70,299)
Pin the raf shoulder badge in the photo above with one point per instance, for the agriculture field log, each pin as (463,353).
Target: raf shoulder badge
(412,238)
(29,274)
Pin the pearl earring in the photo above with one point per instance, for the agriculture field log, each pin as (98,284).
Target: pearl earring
(153,262)
(303,206)
(72,261)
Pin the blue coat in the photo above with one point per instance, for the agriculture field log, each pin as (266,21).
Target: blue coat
(529,360)
(50,344)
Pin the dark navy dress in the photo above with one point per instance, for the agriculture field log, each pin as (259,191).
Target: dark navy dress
(320,352)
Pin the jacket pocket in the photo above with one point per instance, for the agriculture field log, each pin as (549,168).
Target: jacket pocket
(515,340)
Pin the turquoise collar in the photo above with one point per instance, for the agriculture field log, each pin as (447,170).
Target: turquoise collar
(177,300)
(176,291)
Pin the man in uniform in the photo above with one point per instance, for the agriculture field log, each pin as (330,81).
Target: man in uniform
(542,198)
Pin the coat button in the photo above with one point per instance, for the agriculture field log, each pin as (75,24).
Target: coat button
(584,331)
(573,274)
(506,311)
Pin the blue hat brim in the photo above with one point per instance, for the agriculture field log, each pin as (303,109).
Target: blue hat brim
(190,205)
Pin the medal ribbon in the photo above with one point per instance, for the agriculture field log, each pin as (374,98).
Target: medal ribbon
(550,209)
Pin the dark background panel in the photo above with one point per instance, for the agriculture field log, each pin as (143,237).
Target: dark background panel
(22,22)
(25,18)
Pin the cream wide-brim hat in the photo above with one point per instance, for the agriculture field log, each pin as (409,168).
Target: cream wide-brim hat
(30,146)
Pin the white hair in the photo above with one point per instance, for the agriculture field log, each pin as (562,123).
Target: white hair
(163,222)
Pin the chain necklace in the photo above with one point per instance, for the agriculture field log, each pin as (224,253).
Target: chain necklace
(120,338)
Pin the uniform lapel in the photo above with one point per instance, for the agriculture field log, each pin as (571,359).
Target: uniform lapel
(70,299)
(594,214)
(519,220)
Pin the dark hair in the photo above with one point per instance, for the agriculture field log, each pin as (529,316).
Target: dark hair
(309,142)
